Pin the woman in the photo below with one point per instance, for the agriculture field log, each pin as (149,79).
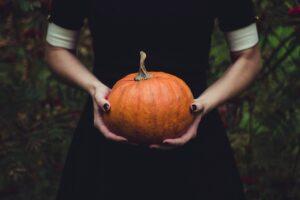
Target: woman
(176,35)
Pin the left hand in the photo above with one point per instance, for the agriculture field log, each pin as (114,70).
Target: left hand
(196,107)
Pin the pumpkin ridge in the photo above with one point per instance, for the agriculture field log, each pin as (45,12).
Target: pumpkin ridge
(175,108)
(130,113)
(138,99)
(156,104)
(183,88)
(164,115)
(120,99)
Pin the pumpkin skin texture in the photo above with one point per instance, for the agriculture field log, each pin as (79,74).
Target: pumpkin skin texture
(150,110)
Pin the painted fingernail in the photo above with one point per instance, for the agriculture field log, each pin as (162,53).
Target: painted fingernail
(106,107)
(194,107)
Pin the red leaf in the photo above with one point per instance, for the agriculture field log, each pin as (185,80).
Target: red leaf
(248,180)
(294,11)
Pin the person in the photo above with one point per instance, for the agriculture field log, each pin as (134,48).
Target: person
(176,35)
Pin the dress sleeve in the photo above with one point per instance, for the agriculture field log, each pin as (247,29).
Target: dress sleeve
(66,17)
(237,20)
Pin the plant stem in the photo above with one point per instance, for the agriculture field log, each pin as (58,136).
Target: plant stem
(143,74)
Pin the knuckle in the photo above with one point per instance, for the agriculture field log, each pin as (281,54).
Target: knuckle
(102,100)
(96,126)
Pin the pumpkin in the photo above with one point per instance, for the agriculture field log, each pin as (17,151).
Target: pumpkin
(148,107)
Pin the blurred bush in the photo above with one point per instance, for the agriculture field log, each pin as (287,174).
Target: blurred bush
(39,113)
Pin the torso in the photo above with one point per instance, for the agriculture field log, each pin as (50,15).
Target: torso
(174,34)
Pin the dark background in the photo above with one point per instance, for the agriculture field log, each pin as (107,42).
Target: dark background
(38,113)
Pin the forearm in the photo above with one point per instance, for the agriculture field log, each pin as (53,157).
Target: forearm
(236,78)
(69,68)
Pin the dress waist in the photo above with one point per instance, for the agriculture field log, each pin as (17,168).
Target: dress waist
(193,74)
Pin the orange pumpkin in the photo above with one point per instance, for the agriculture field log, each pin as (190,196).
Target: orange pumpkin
(148,107)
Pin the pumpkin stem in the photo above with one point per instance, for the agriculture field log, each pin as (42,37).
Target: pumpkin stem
(143,74)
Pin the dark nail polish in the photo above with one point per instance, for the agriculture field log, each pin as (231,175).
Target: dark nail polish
(194,107)
(106,107)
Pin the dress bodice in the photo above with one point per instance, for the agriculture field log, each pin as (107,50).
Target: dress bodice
(174,34)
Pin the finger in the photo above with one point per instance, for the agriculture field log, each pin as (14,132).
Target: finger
(188,135)
(98,122)
(162,147)
(110,135)
(108,91)
(105,131)
(197,120)
(181,140)
(197,107)
(102,102)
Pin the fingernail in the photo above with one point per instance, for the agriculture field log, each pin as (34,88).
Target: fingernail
(106,107)
(194,107)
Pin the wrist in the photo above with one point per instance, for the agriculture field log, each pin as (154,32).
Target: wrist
(207,105)
(93,86)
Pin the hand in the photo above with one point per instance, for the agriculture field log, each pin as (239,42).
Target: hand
(196,107)
(101,105)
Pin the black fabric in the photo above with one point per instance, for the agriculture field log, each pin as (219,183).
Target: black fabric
(234,14)
(176,37)
(69,14)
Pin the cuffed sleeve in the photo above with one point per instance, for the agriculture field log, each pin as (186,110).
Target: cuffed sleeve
(236,18)
(66,17)
(242,38)
(61,37)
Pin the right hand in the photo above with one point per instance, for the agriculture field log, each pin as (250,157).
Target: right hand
(101,105)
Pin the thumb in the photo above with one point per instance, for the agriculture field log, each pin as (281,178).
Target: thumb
(102,102)
(197,107)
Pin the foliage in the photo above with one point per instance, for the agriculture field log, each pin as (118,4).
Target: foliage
(263,123)
(39,113)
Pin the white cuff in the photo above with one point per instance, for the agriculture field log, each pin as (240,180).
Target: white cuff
(61,37)
(242,38)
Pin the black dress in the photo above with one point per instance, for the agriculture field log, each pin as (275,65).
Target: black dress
(176,36)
